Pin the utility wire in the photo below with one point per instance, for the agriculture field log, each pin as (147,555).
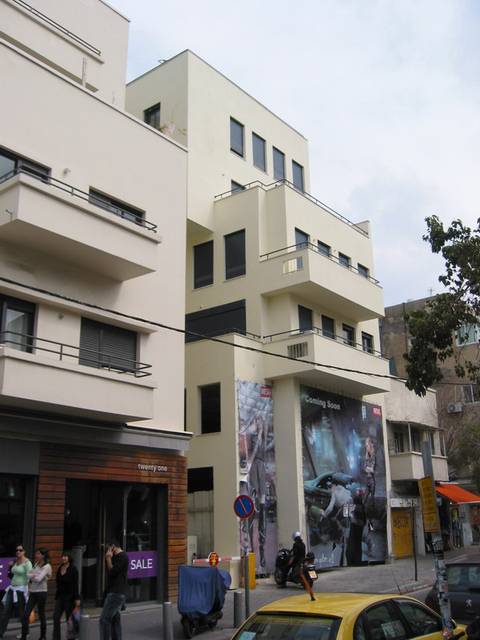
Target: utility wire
(201,336)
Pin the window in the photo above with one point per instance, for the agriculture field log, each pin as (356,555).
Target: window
(431,437)
(324,249)
(290,627)
(384,622)
(210,413)
(236,186)
(125,211)
(442,444)
(468,334)
(399,441)
(297,174)
(203,264)
(471,393)
(106,346)
(152,116)
(200,479)
(217,321)
(258,146)
(301,239)
(344,260)
(416,437)
(367,342)
(17,323)
(236,137)
(363,271)
(278,164)
(328,327)
(235,254)
(348,335)
(463,578)
(421,621)
(305,318)
(13,492)
(10,163)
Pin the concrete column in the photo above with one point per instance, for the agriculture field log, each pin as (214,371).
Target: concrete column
(288,454)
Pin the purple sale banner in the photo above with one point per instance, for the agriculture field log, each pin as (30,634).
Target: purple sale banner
(142,564)
(4,579)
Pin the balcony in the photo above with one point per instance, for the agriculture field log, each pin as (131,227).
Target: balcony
(317,277)
(44,375)
(64,222)
(409,466)
(344,363)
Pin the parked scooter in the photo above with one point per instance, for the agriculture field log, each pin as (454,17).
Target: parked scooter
(285,573)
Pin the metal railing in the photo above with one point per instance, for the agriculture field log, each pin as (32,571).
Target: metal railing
(324,334)
(312,247)
(192,336)
(308,196)
(82,195)
(88,357)
(58,26)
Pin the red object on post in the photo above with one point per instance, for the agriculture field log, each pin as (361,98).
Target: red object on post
(213,559)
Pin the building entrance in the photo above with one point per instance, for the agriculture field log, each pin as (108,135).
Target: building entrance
(99,512)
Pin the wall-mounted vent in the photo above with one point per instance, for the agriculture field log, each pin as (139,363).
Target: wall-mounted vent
(298,350)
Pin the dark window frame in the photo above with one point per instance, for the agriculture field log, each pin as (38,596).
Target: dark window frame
(304,242)
(295,167)
(324,249)
(22,163)
(363,270)
(305,312)
(155,111)
(348,329)
(206,321)
(326,332)
(367,337)
(117,207)
(216,425)
(232,269)
(206,279)
(23,306)
(101,358)
(263,163)
(344,260)
(239,151)
(276,153)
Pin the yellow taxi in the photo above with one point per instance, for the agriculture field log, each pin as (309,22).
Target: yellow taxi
(345,616)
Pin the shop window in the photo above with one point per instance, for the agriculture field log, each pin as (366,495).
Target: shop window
(210,409)
(12,514)
(235,255)
(278,164)
(216,321)
(305,318)
(17,319)
(236,137)
(203,264)
(106,346)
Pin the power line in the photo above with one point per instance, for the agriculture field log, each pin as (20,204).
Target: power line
(201,336)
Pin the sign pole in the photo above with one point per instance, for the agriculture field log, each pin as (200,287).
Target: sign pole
(414,541)
(244,508)
(431,523)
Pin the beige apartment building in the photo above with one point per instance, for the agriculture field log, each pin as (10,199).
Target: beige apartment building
(92,240)
(272,271)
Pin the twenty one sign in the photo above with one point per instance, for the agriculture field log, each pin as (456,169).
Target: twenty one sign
(142,564)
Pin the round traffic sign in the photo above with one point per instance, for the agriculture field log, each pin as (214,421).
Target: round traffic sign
(243,507)
(213,559)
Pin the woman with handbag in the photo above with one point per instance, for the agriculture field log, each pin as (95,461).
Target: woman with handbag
(67,596)
(37,592)
(16,593)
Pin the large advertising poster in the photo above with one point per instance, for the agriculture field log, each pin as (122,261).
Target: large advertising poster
(257,471)
(344,479)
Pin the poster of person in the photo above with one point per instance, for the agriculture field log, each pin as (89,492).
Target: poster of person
(257,471)
(344,479)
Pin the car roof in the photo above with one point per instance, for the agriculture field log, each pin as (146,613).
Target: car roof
(338,605)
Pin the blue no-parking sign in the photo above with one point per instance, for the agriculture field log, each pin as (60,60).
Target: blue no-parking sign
(243,507)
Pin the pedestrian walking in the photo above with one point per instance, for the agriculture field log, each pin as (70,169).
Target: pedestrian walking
(16,592)
(37,592)
(116,593)
(67,596)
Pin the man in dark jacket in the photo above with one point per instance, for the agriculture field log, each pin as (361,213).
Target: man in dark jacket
(297,553)
(116,593)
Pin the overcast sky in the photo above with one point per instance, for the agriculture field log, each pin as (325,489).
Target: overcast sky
(386,91)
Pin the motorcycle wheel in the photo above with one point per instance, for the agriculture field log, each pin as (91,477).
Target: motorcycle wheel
(188,628)
(278,577)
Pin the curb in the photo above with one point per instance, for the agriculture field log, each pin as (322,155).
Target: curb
(410,587)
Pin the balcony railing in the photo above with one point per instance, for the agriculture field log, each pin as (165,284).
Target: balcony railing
(325,334)
(312,247)
(89,357)
(308,196)
(82,195)
(57,26)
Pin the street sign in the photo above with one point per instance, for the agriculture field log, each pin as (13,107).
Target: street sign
(431,521)
(213,559)
(243,507)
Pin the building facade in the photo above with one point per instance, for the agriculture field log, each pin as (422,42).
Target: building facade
(92,209)
(288,414)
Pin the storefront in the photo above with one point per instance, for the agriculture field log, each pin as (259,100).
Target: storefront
(459,515)
(78,498)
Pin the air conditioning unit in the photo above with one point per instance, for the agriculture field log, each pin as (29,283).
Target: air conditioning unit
(455,407)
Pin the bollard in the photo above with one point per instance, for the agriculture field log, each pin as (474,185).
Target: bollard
(247,585)
(238,617)
(86,624)
(167,621)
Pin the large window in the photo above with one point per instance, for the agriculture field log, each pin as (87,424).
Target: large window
(328,327)
(471,393)
(11,162)
(125,211)
(216,321)
(258,146)
(236,137)
(297,175)
(468,334)
(210,408)
(203,264)
(106,346)
(17,319)
(305,318)
(152,116)
(235,254)
(278,164)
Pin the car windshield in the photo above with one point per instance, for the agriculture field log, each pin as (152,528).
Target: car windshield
(294,627)
(463,577)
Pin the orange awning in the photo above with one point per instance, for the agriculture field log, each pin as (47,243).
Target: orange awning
(456,494)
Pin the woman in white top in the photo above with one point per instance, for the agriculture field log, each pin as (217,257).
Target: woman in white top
(37,592)
(16,592)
